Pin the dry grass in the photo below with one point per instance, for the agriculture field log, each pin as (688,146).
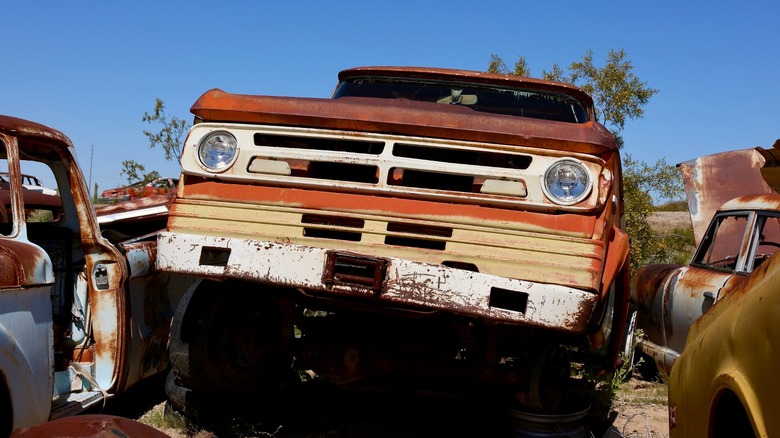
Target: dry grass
(663,221)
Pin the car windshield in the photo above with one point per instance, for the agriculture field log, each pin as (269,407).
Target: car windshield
(492,99)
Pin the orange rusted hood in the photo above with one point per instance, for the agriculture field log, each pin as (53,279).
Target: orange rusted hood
(712,180)
(403,117)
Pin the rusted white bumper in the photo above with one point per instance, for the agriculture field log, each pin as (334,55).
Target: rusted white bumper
(385,279)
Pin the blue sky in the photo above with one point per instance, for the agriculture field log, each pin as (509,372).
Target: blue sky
(91,69)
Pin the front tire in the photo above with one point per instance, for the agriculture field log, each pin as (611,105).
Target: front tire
(229,337)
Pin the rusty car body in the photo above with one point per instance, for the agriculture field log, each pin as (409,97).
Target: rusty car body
(158,186)
(725,382)
(81,317)
(30,182)
(433,221)
(734,237)
(711,326)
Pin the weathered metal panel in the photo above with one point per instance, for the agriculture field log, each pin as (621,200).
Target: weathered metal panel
(90,426)
(141,257)
(256,197)
(153,298)
(26,129)
(397,116)
(145,208)
(411,283)
(731,348)
(26,351)
(492,247)
(387,163)
(710,182)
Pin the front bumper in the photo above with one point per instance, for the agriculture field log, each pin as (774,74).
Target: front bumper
(390,280)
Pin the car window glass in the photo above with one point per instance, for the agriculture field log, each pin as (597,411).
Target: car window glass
(768,234)
(41,202)
(720,247)
(485,98)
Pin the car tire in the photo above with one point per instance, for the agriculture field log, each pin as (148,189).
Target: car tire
(228,337)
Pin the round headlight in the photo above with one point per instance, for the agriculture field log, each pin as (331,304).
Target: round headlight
(566,182)
(218,150)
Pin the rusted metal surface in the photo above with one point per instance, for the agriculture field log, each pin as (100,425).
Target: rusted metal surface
(90,426)
(23,265)
(710,182)
(35,131)
(406,283)
(403,118)
(151,207)
(670,298)
(412,211)
(254,197)
(61,280)
(730,352)
(26,351)
(386,167)
(741,237)
(528,252)
(139,190)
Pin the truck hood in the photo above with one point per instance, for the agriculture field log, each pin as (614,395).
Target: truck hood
(403,117)
(712,180)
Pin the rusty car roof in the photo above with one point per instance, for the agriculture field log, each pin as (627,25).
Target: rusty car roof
(403,117)
(27,129)
(470,76)
(766,201)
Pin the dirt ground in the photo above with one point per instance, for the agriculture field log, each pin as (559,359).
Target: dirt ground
(642,409)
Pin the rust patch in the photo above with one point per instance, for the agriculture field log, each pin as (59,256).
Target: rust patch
(648,281)
(23,264)
(398,116)
(709,183)
(566,224)
(27,129)
(85,426)
(138,204)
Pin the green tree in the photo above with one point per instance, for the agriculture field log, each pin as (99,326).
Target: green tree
(169,134)
(619,95)
(497,65)
(642,183)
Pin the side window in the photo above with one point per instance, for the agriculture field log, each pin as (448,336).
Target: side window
(767,239)
(6,216)
(42,201)
(720,247)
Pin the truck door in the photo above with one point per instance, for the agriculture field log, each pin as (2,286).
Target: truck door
(26,280)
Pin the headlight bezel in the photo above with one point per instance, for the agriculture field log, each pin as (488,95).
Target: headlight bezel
(220,165)
(552,194)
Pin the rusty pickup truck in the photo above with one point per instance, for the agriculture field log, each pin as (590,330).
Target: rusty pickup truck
(421,221)
(83,313)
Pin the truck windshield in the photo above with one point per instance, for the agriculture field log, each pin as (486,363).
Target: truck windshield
(479,97)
